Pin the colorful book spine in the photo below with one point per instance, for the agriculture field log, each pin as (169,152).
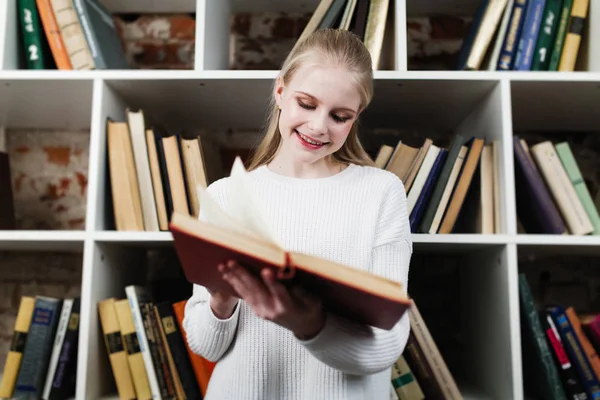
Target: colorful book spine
(32,34)
(570,164)
(17,345)
(559,40)
(568,57)
(511,39)
(576,353)
(529,35)
(543,47)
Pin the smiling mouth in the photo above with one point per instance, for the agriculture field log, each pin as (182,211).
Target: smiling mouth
(309,140)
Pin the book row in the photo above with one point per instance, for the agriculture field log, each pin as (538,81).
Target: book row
(69,35)
(560,349)
(42,360)
(456,189)
(524,35)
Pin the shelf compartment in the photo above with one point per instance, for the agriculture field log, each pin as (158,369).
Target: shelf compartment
(463,298)
(110,267)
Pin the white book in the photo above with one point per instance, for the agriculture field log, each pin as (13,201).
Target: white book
(439,213)
(137,130)
(59,337)
(137,295)
(493,59)
(421,177)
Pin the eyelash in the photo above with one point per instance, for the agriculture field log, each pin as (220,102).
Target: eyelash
(335,117)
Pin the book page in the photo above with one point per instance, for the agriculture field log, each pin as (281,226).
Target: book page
(245,213)
(245,206)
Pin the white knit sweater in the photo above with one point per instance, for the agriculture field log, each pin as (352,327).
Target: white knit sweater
(358,218)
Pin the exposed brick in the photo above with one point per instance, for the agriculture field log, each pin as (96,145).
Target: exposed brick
(49,172)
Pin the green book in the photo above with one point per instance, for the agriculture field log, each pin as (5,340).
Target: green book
(560,35)
(566,157)
(543,47)
(33,36)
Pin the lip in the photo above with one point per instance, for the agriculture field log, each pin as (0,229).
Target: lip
(311,138)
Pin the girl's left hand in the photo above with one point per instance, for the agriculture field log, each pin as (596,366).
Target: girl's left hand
(293,309)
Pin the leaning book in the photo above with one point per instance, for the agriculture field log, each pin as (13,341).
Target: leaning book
(202,244)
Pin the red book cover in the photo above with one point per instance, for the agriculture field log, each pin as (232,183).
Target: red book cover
(358,295)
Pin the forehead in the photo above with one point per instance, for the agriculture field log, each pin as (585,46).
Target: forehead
(333,86)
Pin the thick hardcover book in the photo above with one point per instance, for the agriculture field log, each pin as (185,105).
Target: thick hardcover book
(344,290)
(178,351)
(36,356)
(535,207)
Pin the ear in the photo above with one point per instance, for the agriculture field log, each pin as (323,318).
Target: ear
(278,91)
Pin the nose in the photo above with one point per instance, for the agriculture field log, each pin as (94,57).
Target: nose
(318,122)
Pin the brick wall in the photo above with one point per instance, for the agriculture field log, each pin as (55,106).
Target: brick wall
(49,176)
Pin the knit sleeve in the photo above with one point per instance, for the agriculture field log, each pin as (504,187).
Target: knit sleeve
(207,335)
(362,349)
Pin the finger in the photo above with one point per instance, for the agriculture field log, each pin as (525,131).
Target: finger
(249,286)
(279,292)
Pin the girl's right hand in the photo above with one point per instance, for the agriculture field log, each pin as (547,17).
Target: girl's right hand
(222,304)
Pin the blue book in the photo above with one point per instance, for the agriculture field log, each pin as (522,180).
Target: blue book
(511,38)
(425,195)
(529,35)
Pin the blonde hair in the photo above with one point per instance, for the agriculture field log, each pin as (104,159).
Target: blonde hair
(332,47)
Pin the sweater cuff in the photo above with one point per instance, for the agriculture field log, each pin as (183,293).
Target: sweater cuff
(219,325)
(328,335)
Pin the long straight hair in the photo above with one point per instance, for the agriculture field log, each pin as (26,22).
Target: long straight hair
(335,47)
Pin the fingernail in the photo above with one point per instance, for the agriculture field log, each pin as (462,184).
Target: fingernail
(231,264)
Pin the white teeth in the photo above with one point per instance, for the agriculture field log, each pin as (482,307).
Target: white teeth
(309,140)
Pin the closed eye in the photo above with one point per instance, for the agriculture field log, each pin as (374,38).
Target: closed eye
(337,118)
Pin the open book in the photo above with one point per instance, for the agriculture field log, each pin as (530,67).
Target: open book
(244,234)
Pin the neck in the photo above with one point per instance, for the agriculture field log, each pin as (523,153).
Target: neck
(298,169)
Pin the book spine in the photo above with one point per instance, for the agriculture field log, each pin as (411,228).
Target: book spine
(573,35)
(570,381)
(37,348)
(59,337)
(511,39)
(535,207)
(163,364)
(32,34)
(55,41)
(17,346)
(586,345)
(548,374)
(72,34)
(154,352)
(528,39)
(561,188)
(576,353)
(425,195)
(543,47)
(422,370)
(404,382)
(65,378)
(559,40)
(137,298)
(178,350)
(570,164)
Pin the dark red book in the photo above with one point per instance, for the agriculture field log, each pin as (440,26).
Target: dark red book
(359,295)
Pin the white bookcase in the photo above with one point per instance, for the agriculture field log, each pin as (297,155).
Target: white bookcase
(490,104)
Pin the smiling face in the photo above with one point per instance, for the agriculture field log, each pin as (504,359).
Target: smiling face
(318,107)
